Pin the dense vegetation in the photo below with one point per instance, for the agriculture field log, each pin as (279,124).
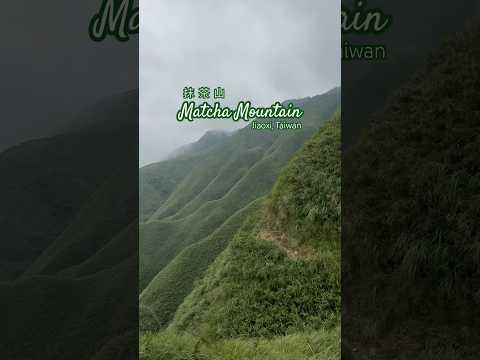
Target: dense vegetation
(269,296)
(411,244)
(158,181)
(206,208)
(168,345)
(179,275)
(256,290)
(68,249)
(307,194)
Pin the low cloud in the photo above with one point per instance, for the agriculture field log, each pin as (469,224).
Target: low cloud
(262,51)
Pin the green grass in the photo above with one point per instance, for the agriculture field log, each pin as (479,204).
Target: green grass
(161,298)
(90,230)
(158,181)
(411,183)
(255,290)
(259,288)
(257,302)
(229,176)
(46,181)
(221,166)
(307,193)
(260,298)
(316,345)
(410,230)
(70,199)
(235,168)
(162,240)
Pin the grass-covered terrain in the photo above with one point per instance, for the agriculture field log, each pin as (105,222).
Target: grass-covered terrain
(179,275)
(209,203)
(308,192)
(255,289)
(157,181)
(45,182)
(410,230)
(274,292)
(317,345)
(68,261)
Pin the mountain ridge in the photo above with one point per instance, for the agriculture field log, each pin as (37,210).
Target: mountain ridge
(238,171)
(258,299)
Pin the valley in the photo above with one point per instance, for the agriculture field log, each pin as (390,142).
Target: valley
(209,279)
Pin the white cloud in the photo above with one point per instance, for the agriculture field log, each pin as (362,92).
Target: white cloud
(262,51)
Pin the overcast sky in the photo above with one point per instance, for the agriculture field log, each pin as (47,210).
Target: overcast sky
(51,70)
(263,51)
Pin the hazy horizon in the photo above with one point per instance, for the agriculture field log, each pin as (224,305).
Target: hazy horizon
(263,52)
(228,130)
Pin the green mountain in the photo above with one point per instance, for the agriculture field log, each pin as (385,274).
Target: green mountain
(158,181)
(274,292)
(209,204)
(44,182)
(69,213)
(410,230)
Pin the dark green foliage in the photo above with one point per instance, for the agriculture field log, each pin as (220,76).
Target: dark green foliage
(259,288)
(227,178)
(255,290)
(49,317)
(90,230)
(411,230)
(213,190)
(307,193)
(158,181)
(44,182)
(76,300)
(412,180)
(231,158)
(170,286)
(168,346)
(317,345)
(162,240)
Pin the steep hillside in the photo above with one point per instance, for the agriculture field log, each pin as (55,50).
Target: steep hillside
(171,285)
(44,182)
(229,178)
(77,294)
(158,181)
(49,317)
(271,268)
(278,280)
(307,194)
(411,244)
(205,143)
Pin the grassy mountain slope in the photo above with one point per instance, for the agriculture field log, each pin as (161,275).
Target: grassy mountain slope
(73,299)
(44,183)
(318,345)
(119,248)
(309,190)
(203,145)
(266,284)
(91,230)
(255,289)
(411,228)
(49,317)
(240,147)
(171,285)
(157,181)
(266,270)
(236,167)
(236,173)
